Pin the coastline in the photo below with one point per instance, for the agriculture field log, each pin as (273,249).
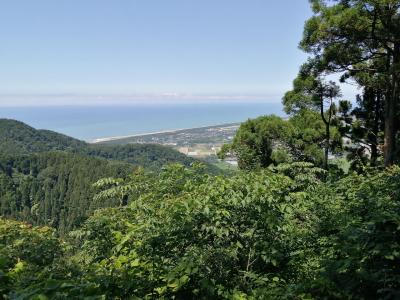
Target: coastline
(114,138)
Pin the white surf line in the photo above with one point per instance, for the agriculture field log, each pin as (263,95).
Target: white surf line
(113,138)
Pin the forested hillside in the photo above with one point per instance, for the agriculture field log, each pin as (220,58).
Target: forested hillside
(149,156)
(54,188)
(46,178)
(19,138)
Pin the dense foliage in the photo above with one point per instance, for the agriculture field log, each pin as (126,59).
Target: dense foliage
(53,188)
(277,233)
(149,156)
(270,140)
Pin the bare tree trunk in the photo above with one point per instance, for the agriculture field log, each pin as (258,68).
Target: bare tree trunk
(375,128)
(390,112)
(327,131)
(328,135)
(390,132)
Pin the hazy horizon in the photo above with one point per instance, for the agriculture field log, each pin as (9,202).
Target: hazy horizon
(126,100)
(148,50)
(91,122)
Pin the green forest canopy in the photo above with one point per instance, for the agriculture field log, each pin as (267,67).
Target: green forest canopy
(280,233)
(46,178)
(19,138)
(291,224)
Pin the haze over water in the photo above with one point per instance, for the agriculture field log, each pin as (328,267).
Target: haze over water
(91,122)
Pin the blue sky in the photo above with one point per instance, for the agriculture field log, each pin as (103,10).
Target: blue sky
(92,51)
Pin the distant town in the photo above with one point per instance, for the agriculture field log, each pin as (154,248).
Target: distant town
(202,142)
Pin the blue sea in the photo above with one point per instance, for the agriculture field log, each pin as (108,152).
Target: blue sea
(92,122)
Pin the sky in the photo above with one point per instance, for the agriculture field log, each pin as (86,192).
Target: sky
(123,51)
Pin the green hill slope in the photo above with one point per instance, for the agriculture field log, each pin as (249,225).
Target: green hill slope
(19,138)
(46,178)
(54,188)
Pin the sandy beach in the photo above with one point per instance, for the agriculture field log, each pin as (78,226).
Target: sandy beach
(113,138)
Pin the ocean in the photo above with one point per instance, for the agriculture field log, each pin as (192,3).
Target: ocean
(93,122)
